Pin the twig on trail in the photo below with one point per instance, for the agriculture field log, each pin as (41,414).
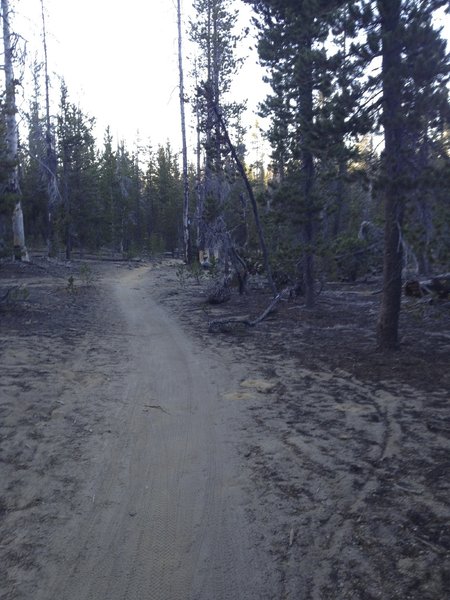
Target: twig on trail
(434,547)
(291,537)
(221,325)
(157,407)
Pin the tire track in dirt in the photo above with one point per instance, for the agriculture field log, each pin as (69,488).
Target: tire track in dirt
(328,454)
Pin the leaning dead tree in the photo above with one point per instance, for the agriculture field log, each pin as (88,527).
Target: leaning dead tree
(248,187)
(12,138)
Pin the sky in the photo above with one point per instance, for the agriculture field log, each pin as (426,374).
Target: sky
(120,63)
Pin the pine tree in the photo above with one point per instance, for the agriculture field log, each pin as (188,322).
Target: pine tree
(214,33)
(404,26)
(186,191)
(33,173)
(126,199)
(168,199)
(109,194)
(393,171)
(314,112)
(427,110)
(292,46)
(78,173)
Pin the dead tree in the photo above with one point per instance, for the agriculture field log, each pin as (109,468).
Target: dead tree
(186,236)
(12,138)
(248,187)
(50,166)
(394,161)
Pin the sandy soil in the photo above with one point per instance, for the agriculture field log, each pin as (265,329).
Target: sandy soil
(143,458)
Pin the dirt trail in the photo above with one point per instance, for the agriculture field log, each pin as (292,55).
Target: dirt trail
(142,458)
(166,517)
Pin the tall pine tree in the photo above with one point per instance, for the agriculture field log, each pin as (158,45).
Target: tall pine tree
(292,47)
(214,32)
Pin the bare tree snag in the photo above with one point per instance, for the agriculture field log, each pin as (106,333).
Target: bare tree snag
(388,320)
(249,189)
(186,236)
(12,139)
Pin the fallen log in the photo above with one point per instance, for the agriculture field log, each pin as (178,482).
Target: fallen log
(229,323)
(438,286)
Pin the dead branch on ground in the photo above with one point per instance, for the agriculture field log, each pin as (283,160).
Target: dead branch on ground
(438,287)
(251,195)
(223,325)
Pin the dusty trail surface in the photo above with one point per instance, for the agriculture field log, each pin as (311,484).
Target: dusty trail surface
(142,457)
(165,518)
(158,511)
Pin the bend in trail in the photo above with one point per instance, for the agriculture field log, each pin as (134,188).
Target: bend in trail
(166,521)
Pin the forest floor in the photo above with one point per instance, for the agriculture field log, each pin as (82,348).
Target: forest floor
(142,457)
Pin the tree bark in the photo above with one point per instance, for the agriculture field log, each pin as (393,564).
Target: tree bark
(186,236)
(12,139)
(306,107)
(387,328)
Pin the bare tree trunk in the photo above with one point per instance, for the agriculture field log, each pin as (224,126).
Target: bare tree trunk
(306,103)
(200,188)
(387,328)
(50,167)
(340,196)
(186,236)
(67,204)
(12,139)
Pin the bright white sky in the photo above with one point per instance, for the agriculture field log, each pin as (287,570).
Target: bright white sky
(119,61)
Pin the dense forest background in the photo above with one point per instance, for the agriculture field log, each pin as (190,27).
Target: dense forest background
(358,179)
